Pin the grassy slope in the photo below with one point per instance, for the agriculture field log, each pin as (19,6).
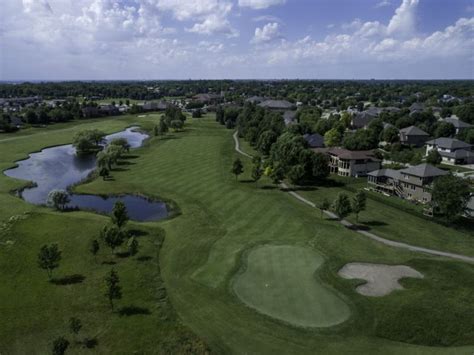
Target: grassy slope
(221,218)
(35,311)
(392,223)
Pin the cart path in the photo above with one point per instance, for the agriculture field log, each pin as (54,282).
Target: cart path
(348,224)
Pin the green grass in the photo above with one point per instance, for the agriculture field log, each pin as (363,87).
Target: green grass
(399,220)
(278,280)
(220,220)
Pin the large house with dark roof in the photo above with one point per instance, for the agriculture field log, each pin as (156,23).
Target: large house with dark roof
(413,183)
(413,136)
(354,163)
(452,151)
(458,124)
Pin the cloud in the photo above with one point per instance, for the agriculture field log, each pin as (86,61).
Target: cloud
(260,4)
(210,16)
(267,18)
(383,3)
(268,33)
(404,21)
(214,24)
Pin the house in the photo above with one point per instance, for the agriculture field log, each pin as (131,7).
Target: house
(345,162)
(314,140)
(416,107)
(452,151)
(277,105)
(206,98)
(457,123)
(90,111)
(413,136)
(413,183)
(255,99)
(362,119)
(108,109)
(155,106)
(289,117)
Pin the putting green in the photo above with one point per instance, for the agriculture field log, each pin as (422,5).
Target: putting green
(279,281)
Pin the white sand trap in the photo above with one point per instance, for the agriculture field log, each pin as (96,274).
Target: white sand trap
(381,279)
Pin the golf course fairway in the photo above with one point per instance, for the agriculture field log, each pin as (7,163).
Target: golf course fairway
(280,281)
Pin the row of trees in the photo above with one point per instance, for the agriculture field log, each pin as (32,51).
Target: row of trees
(113,236)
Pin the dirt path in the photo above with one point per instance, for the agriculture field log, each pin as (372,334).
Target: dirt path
(348,224)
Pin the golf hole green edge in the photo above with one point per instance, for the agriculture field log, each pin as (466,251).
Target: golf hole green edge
(279,281)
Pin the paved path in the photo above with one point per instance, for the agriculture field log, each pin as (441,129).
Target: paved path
(348,224)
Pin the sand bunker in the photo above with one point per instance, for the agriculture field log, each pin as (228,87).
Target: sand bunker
(381,279)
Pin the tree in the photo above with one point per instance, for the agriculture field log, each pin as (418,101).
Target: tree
(332,138)
(113,290)
(75,325)
(257,171)
(197,113)
(237,168)
(277,174)
(342,205)
(112,236)
(323,206)
(390,135)
(320,164)
(121,142)
(177,124)
(58,199)
(450,195)
(94,247)
(133,246)
(49,257)
(104,160)
(162,128)
(359,203)
(60,346)
(296,174)
(119,214)
(434,157)
(104,172)
(445,129)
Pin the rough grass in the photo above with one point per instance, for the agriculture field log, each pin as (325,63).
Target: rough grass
(279,280)
(220,219)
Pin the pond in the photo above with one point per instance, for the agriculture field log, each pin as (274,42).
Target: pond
(60,167)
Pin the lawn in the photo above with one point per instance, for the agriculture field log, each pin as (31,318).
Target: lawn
(204,248)
(278,280)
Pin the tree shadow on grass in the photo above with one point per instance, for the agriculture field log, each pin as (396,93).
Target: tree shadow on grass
(109,262)
(375,223)
(130,156)
(90,343)
(144,258)
(128,311)
(247,181)
(125,162)
(123,254)
(269,187)
(120,169)
(69,280)
(137,233)
(300,188)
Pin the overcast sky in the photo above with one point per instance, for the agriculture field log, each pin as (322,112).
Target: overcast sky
(198,39)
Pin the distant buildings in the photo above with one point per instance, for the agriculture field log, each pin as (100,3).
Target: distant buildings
(277,105)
